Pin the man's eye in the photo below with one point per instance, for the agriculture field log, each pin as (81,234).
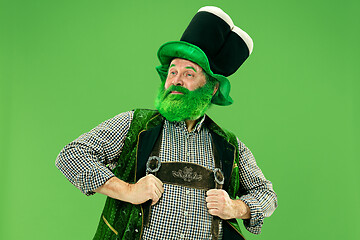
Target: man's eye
(172,73)
(189,75)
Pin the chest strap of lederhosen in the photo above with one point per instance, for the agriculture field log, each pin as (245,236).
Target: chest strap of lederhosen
(185,174)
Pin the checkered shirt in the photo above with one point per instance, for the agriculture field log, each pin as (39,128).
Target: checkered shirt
(181,213)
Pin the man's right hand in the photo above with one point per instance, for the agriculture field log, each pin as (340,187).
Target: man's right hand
(148,187)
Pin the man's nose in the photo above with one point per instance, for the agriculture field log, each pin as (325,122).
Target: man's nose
(177,81)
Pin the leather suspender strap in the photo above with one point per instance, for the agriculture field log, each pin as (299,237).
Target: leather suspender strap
(219,182)
(152,168)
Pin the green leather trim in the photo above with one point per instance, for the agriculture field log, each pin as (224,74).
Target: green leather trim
(111,227)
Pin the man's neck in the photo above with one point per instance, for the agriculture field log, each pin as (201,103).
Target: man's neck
(190,124)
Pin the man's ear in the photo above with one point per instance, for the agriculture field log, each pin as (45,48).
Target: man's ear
(216,88)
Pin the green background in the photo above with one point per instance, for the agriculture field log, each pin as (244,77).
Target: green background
(66,66)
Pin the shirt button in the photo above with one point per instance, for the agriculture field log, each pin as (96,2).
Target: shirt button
(182,235)
(136,230)
(187,192)
(139,213)
(185,213)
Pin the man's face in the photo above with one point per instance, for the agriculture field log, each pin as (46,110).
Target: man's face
(185,95)
(186,74)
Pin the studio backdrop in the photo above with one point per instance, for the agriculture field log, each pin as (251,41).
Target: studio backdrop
(66,66)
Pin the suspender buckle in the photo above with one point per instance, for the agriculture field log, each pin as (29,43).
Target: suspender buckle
(153,164)
(219,176)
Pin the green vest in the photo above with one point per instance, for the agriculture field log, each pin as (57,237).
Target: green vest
(122,220)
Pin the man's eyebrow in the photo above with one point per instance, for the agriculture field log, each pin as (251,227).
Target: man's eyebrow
(191,68)
(172,65)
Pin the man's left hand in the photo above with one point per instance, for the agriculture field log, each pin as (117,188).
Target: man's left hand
(220,204)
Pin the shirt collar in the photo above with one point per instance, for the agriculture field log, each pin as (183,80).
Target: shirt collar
(199,124)
(182,124)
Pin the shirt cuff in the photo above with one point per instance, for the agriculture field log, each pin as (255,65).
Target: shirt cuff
(91,179)
(256,220)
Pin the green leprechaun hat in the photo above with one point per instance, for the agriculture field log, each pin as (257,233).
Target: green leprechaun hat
(213,42)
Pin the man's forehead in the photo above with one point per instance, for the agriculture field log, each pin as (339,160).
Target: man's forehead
(186,63)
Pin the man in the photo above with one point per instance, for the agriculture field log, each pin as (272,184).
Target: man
(174,173)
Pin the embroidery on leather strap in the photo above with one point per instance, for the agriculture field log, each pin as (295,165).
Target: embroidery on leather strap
(187,174)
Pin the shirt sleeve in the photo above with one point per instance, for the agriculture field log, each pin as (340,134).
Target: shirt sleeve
(256,191)
(88,160)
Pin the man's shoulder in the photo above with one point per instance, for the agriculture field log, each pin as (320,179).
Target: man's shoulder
(144,112)
(135,113)
(225,133)
(145,118)
(120,119)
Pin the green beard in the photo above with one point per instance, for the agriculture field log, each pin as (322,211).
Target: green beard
(187,106)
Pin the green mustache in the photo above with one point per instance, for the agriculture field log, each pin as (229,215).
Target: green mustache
(176,89)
